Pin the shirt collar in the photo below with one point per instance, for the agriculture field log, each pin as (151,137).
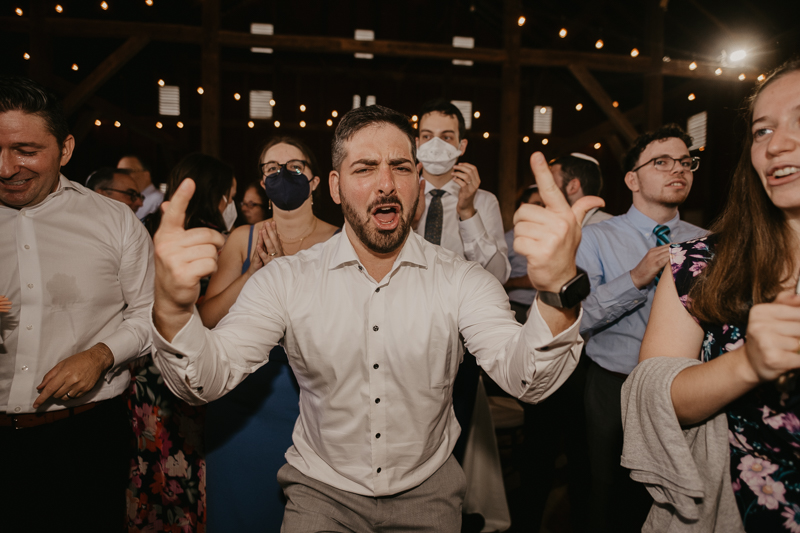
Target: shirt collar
(451,187)
(412,252)
(646,225)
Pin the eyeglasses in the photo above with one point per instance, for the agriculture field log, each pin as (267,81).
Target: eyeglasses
(251,205)
(665,163)
(130,193)
(294,165)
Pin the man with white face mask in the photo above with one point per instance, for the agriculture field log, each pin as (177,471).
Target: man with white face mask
(455,213)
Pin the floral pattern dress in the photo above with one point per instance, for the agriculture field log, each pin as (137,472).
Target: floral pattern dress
(763,426)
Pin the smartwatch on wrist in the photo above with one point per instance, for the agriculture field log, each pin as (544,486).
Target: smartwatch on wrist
(571,294)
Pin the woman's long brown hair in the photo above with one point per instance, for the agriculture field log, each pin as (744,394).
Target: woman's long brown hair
(754,252)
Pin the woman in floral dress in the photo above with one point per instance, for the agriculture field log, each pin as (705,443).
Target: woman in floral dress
(167,490)
(744,317)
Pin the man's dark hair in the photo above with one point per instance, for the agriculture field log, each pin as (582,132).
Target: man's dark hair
(666,131)
(445,107)
(103,178)
(142,163)
(585,171)
(23,94)
(357,119)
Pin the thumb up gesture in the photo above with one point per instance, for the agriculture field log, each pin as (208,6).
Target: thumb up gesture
(549,236)
(183,257)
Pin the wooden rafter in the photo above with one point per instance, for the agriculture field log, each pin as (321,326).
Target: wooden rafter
(601,98)
(110,66)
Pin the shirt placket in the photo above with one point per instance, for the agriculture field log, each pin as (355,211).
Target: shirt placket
(30,318)
(376,356)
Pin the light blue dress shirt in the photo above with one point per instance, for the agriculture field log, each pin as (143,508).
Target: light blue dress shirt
(519,267)
(615,314)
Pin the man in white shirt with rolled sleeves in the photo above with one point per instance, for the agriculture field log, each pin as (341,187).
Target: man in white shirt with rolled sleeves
(372,322)
(77,268)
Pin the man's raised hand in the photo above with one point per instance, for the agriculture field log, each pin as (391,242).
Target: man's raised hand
(549,236)
(183,257)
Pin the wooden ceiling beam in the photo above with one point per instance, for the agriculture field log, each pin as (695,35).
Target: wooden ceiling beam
(601,98)
(528,57)
(110,65)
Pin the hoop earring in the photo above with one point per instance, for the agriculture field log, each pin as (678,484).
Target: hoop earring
(270,205)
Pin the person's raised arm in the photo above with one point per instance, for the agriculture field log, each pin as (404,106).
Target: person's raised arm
(701,391)
(182,257)
(548,237)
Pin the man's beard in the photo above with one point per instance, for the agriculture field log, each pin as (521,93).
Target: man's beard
(375,239)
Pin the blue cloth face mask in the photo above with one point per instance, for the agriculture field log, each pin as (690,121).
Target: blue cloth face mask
(288,190)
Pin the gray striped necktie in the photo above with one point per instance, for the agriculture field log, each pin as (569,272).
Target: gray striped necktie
(662,237)
(433,222)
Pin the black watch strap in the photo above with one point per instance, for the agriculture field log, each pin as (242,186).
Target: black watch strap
(571,294)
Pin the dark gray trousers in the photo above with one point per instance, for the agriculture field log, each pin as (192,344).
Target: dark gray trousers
(434,506)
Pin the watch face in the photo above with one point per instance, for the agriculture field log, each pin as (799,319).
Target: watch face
(575,291)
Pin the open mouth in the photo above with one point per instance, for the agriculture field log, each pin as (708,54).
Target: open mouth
(678,184)
(386,216)
(784,174)
(15,184)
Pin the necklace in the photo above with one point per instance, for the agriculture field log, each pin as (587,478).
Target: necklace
(301,239)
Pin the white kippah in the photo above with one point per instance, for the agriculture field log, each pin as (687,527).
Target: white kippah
(586,157)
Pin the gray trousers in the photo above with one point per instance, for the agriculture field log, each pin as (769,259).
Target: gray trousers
(433,506)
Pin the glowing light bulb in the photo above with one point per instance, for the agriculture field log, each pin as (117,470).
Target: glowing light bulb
(562,33)
(599,44)
(335,114)
(97,122)
(272,103)
(59,9)
(159,125)
(477,114)
(277,124)
(251,124)
(302,123)
(200,90)
(579,107)
(415,125)
(148,2)
(485,134)
(545,141)
(615,103)
(237,96)
(542,110)
(521,21)
(104,5)
(414,118)
(117,124)
(718,71)
(26,55)
(692,97)
(329,122)
(526,139)
(634,52)
(761,77)
(692,65)
(738,55)
(180,124)
(597,146)
(742,77)
(302,108)
(18,11)
(160,83)
(74,66)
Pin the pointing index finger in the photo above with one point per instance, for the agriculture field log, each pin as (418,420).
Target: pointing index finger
(175,210)
(551,195)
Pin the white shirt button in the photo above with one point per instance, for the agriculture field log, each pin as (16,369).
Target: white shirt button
(30,326)
(27,247)
(24,368)
(30,285)
(17,409)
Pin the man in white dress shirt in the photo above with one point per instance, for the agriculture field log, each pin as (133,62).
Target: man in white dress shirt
(372,322)
(77,267)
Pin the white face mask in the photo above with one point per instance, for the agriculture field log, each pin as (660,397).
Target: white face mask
(229,215)
(438,157)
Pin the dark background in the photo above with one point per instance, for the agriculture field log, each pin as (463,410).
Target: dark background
(694,29)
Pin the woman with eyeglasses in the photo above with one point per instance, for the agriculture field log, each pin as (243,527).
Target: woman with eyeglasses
(731,302)
(254,204)
(249,430)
